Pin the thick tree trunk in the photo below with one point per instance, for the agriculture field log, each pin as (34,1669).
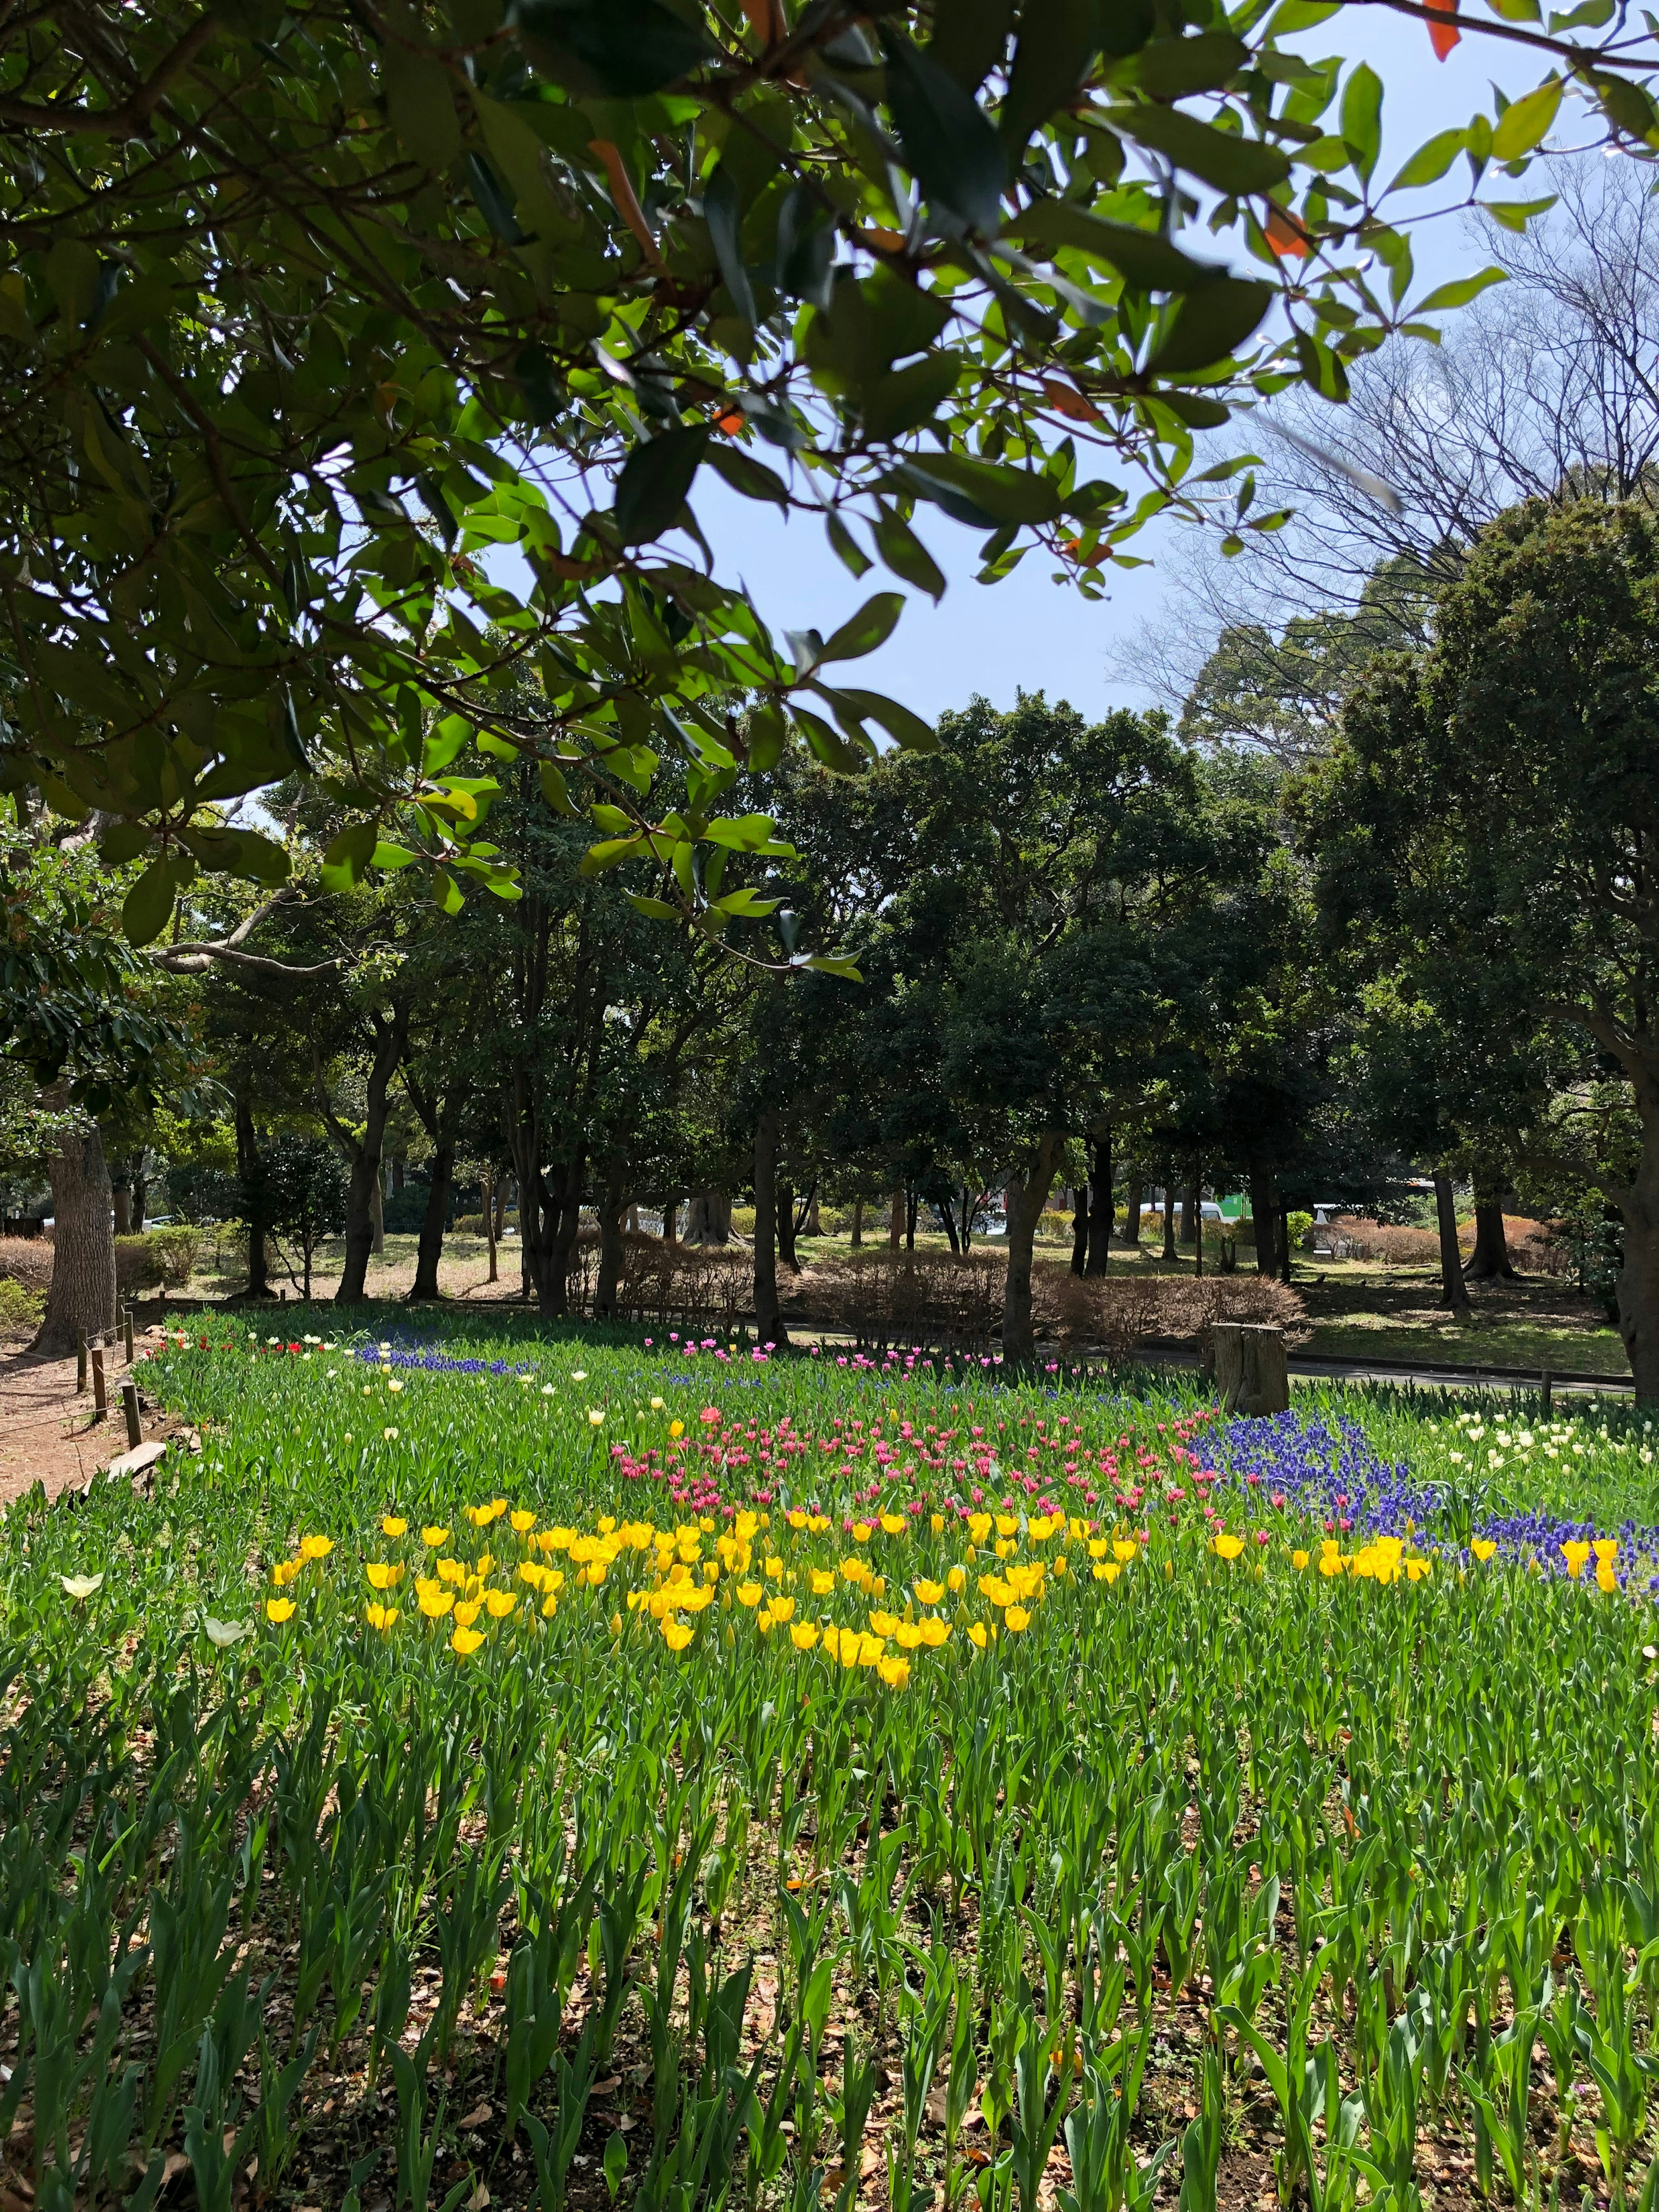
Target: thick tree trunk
(140,1182)
(1283,1242)
(709,1218)
(858,1223)
(770,1208)
(397,1171)
(499,1223)
(1490,1260)
(81,1298)
(376,1218)
(1024,1196)
(909,1221)
(896,1222)
(611,1209)
(945,1209)
(1079,1230)
(1191,1214)
(1133,1200)
(121,1197)
(430,1249)
(671,1217)
(1169,1252)
(811,1226)
(1454,1291)
(252,1195)
(1099,1249)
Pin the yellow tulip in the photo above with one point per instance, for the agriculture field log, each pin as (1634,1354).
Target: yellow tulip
(552,1580)
(782,1608)
(466,1612)
(284,1571)
(499,1603)
(934,1632)
(549,1605)
(893,1524)
(862,1531)
(1575,1554)
(1331,1563)
(380,1616)
(957,1580)
(1015,1618)
(523,1523)
(977,1634)
(1416,1569)
(803,1635)
(1606,1577)
(434,1537)
(1605,1549)
(1228,1548)
(382,1577)
(1007,1524)
(1098,1547)
(1108,1571)
(676,1634)
(936,1522)
(1125,1549)
(465,1642)
(928,1593)
(391,1526)
(832,1641)
(896,1672)
(882,1624)
(979,1527)
(676,1428)
(1299,1560)
(698,1598)
(906,1634)
(1482,1547)
(315,1547)
(279,1609)
(749,1594)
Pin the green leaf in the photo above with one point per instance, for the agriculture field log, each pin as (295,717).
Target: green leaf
(747,902)
(617,49)
(608,852)
(764,732)
(387,855)
(1432,160)
(904,398)
(873,625)
(1524,122)
(122,842)
(1362,117)
(1142,257)
(836,751)
(834,963)
(554,789)
(1168,69)
(722,214)
(1211,325)
(970,38)
(848,551)
(657,910)
(752,479)
(148,906)
(655,481)
(946,135)
(1232,165)
(1516,214)
(1003,494)
(447,892)
(493,203)
(1627,106)
(349,857)
(420,105)
(1057,41)
(903,552)
(906,729)
(1460,291)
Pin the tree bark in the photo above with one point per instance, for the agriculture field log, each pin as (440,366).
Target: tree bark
(376,1218)
(1191,1214)
(390,1035)
(1169,1252)
(500,1221)
(1454,1291)
(1264,1219)
(811,1226)
(1098,1252)
(430,1249)
(783,1213)
(1197,1190)
(253,1194)
(612,1206)
(1079,1230)
(896,1222)
(80,1297)
(769,1312)
(1490,1260)
(909,1221)
(670,1218)
(1133,1200)
(709,1218)
(1025,1197)
(1284,1239)
(487,1193)
(121,1197)
(858,1223)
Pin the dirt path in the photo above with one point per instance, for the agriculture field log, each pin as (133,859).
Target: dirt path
(47,1433)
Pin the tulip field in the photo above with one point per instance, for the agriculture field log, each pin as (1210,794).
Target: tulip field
(550,1771)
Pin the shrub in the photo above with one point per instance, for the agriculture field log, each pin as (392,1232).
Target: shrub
(1122,1312)
(21,1307)
(27,1261)
(155,1259)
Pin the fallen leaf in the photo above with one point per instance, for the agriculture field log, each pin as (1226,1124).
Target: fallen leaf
(870,2163)
(477,2118)
(604,2088)
(177,2163)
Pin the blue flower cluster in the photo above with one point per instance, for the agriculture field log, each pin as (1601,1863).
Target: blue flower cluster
(1329,1471)
(434,1362)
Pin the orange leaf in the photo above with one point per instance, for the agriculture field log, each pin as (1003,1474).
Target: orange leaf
(1286,240)
(1443,37)
(1065,400)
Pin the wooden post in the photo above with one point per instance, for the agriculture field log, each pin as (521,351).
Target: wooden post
(1267,1370)
(100,1394)
(1227,1363)
(81,1365)
(130,1406)
(126,1331)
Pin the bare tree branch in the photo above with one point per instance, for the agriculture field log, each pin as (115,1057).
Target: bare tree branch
(195,956)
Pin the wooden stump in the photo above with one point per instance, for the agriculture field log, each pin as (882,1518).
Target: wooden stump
(1252,1371)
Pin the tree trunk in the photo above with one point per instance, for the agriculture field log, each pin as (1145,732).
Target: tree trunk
(252,1199)
(430,1249)
(670,1218)
(1264,1219)
(376,1218)
(364,1152)
(612,1208)
(1133,1198)
(783,1210)
(1025,1197)
(1284,1234)
(1490,1260)
(500,1206)
(709,1218)
(858,1223)
(1169,1253)
(811,1226)
(121,1197)
(81,1298)
(1454,1291)
(1098,1254)
(769,1216)
(896,1222)
(1191,1214)
(909,1221)
(397,1171)
(140,1182)
(1197,1189)
(1079,1230)
(945,1209)
(488,1195)
(1637,1288)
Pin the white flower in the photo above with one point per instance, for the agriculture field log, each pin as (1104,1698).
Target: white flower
(579,1374)
(391,1435)
(596,1415)
(395,1385)
(224,1633)
(657,1405)
(547,1389)
(81,1586)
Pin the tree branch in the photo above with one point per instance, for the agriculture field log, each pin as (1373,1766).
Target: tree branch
(129,119)
(194,956)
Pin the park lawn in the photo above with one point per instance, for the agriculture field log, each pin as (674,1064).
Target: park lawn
(1393,1314)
